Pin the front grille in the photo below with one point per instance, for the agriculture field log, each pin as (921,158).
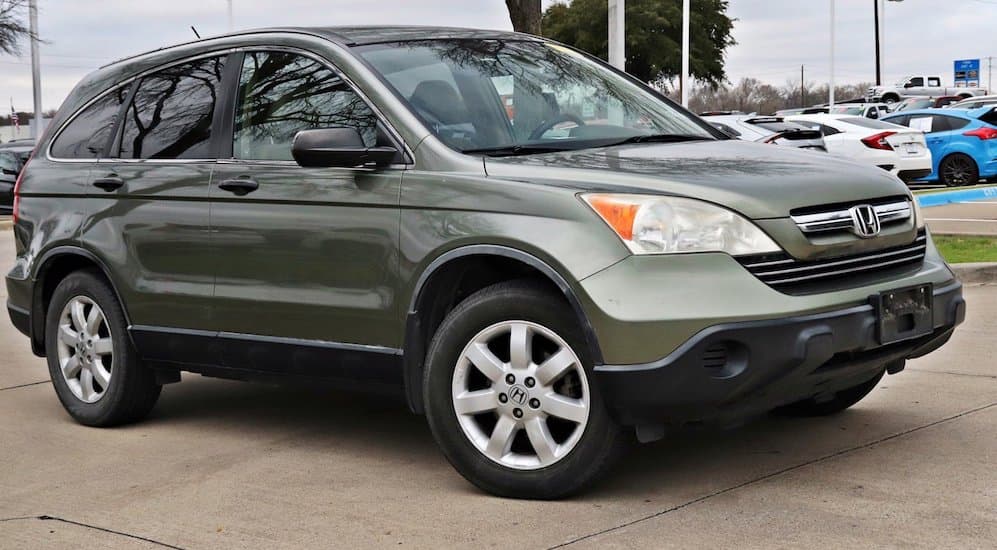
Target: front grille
(792,276)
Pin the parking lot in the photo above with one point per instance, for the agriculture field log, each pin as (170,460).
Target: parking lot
(968,218)
(239,465)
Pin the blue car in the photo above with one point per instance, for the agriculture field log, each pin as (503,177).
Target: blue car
(963,143)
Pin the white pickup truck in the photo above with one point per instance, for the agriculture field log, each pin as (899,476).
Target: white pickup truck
(918,85)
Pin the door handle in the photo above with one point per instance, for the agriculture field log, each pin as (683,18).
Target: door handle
(109,183)
(239,186)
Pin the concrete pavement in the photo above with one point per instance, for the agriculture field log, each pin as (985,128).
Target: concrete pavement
(225,464)
(967,218)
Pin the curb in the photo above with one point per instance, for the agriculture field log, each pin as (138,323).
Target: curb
(948,197)
(976,273)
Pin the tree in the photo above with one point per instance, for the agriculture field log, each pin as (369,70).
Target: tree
(525,15)
(654,35)
(11,27)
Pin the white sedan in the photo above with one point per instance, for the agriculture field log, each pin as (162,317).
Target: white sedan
(899,149)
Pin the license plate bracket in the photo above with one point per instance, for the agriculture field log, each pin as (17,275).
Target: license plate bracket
(904,313)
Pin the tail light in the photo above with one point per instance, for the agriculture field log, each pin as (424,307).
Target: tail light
(983,133)
(878,141)
(17,188)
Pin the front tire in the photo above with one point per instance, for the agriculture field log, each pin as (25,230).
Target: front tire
(95,371)
(510,399)
(957,170)
(841,401)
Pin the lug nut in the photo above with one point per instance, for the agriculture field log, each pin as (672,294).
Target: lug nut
(530,382)
(518,413)
(510,379)
(535,403)
(503,398)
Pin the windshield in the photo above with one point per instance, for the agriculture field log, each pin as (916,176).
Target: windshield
(477,95)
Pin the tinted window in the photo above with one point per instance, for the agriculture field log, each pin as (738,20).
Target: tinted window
(917,81)
(942,123)
(778,126)
(726,129)
(89,133)
(172,112)
(990,117)
(901,120)
(867,123)
(281,94)
(9,162)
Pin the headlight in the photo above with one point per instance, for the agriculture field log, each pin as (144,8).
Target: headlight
(650,224)
(918,215)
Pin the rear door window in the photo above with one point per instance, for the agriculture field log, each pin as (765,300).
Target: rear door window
(281,94)
(942,123)
(172,114)
(89,133)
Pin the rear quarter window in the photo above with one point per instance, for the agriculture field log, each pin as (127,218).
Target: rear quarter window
(88,133)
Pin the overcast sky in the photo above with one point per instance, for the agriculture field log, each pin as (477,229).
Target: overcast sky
(774,36)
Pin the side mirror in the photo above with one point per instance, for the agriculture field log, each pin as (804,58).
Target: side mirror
(338,147)
(908,84)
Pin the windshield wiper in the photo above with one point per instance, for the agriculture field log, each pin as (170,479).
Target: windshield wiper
(514,150)
(659,138)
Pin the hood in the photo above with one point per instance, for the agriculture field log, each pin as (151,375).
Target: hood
(760,181)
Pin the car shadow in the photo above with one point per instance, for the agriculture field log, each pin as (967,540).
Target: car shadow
(686,462)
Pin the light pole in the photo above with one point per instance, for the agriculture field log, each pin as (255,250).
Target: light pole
(830,87)
(230,24)
(879,17)
(617,34)
(36,71)
(685,54)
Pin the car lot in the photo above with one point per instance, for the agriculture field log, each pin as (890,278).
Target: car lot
(224,464)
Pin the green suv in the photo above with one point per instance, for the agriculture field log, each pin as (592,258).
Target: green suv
(538,252)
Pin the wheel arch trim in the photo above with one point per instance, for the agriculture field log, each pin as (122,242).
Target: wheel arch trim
(414,352)
(44,262)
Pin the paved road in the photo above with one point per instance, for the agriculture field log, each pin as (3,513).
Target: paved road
(968,218)
(223,464)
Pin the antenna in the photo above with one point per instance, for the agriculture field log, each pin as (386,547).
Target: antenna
(195,32)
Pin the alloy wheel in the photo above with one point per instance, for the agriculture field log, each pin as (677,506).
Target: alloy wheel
(521,395)
(958,171)
(86,351)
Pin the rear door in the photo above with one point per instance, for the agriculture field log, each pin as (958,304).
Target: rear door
(305,258)
(149,215)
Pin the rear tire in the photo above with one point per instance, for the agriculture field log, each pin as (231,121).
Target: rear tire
(539,454)
(957,170)
(95,371)
(841,401)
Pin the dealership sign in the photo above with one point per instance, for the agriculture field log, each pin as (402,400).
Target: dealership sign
(967,73)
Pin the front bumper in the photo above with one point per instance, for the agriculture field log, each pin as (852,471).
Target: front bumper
(737,369)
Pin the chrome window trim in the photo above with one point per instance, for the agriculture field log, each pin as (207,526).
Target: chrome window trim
(407,151)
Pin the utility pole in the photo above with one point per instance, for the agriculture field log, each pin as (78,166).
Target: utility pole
(803,89)
(36,72)
(617,34)
(230,23)
(990,74)
(686,84)
(875,20)
(830,87)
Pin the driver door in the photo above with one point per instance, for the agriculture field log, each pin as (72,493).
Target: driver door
(306,258)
